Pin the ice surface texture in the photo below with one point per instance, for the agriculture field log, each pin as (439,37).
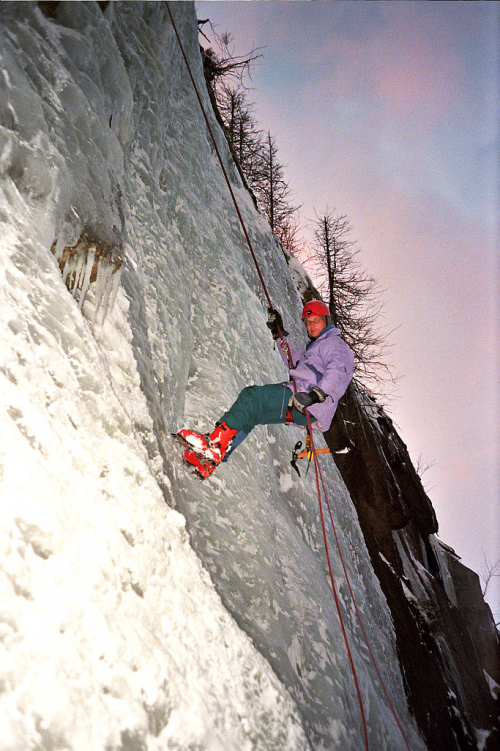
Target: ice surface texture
(118,630)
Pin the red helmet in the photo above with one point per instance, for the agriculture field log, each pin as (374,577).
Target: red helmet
(315,308)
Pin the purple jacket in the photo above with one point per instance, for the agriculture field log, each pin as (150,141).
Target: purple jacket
(327,362)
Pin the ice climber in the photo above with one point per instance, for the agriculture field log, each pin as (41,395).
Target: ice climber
(320,375)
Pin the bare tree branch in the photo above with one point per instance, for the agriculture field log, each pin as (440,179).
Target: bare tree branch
(224,64)
(352,295)
(488,572)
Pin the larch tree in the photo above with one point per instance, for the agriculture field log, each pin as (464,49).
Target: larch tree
(352,295)
(256,154)
(272,190)
(241,127)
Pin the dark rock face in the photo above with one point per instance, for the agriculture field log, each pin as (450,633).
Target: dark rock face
(476,614)
(445,634)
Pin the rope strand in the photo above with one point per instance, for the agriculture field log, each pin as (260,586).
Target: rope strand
(358,614)
(226,177)
(337,602)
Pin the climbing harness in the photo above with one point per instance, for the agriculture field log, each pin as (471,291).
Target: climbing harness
(310,450)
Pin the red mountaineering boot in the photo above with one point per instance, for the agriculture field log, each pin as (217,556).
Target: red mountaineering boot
(190,439)
(219,442)
(205,459)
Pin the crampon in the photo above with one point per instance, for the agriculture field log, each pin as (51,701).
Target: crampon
(193,440)
(201,466)
(205,452)
(194,456)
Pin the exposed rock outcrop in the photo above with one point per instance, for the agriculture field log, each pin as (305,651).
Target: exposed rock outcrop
(446,638)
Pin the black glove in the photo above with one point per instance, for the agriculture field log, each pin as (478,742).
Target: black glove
(302,400)
(274,321)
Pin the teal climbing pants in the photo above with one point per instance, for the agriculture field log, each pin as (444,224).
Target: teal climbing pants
(261,405)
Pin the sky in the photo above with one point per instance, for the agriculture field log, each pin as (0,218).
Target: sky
(387,112)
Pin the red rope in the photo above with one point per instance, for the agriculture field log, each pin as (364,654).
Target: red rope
(358,614)
(243,227)
(337,603)
(315,457)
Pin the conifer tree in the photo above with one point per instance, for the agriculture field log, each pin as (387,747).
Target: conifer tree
(353,296)
(241,127)
(273,192)
(256,155)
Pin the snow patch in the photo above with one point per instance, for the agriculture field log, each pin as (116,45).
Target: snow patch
(286,482)
(493,685)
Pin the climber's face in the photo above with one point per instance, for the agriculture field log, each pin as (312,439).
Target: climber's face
(315,325)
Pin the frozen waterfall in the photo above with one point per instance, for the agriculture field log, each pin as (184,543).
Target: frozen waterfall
(142,609)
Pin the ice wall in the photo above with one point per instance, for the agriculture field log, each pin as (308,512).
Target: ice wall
(140,607)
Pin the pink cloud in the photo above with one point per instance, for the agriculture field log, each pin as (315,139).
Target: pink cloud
(409,65)
(418,62)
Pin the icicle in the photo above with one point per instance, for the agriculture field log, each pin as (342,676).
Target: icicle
(115,284)
(79,265)
(104,271)
(108,281)
(59,248)
(99,286)
(68,268)
(107,293)
(88,272)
